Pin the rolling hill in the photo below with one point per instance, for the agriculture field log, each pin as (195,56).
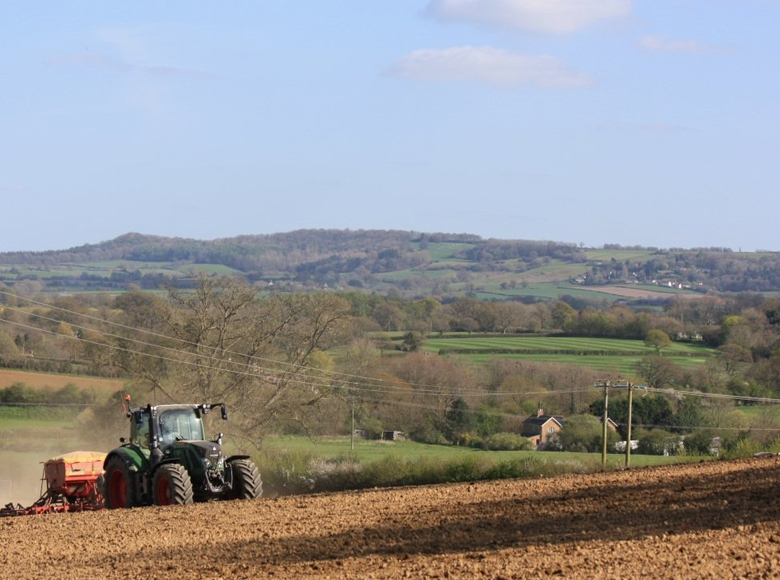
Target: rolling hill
(399,262)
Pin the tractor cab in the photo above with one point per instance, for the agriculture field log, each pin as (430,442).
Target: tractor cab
(161,426)
(179,424)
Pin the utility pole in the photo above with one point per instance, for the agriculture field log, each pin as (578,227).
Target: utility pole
(628,427)
(631,387)
(352,429)
(604,426)
(607,385)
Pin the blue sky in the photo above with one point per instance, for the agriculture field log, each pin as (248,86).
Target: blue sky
(597,121)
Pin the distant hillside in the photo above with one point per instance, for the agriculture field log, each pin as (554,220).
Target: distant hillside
(407,263)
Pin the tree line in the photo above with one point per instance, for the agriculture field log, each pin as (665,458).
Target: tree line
(296,363)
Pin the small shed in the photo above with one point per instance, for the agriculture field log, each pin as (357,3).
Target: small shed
(393,436)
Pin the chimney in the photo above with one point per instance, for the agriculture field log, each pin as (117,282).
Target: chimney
(539,411)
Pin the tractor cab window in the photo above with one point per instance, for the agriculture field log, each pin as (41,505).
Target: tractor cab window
(140,431)
(180,424)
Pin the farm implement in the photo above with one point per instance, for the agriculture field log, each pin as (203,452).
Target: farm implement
(74,483)
(166,460)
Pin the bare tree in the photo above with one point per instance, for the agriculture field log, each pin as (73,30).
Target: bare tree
(226,344)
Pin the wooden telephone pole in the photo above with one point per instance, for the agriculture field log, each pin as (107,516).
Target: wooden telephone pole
(606,385)
(352,426)
(604,426)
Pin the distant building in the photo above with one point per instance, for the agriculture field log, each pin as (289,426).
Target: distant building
(539,428)
(620,446)
(394,436)
(610,423)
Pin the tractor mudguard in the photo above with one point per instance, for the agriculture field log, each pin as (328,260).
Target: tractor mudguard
(163,462)
(232,457)
(132,456)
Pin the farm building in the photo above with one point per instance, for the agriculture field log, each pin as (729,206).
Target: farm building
(611,425)
(394,436)
(540,427)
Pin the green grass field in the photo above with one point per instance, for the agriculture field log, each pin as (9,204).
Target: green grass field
(444,250)
(367,451)
(562,343)
(544,291)
(683,354)
(402,274)
(619,255)
(662,289)
(106,268)
(624,366)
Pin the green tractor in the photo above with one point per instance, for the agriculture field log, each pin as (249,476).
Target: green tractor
(168,460)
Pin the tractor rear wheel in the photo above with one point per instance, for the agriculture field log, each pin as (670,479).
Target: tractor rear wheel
(171,485)
(246,480)
(118,491)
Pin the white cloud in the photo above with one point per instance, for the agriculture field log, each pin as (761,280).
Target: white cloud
(663,44)
(485,64)
(548,16)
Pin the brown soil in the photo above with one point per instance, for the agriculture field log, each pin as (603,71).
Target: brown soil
(708,520)
(44,380)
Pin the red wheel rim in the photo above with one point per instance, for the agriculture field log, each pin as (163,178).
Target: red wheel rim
(117,490)
(163,492)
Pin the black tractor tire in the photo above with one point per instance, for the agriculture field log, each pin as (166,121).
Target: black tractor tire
(171,485)
(118,485)
(246,480)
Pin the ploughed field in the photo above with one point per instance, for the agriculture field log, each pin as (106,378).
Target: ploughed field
(708,520)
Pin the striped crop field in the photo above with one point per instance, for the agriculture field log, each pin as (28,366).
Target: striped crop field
(622,365)
(607,354)
(562,343)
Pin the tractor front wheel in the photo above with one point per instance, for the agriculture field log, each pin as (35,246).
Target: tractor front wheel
(171,485)
(246,480)
(118,489)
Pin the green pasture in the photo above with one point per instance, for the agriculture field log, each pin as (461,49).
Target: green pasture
(107,267)
(409,273)
(368,451)
(444,250)
(21,423)
(539,290)
(554,271)
(217,269)
(563,343)
(608,354)
(623,365)
(619,255)
(654,288)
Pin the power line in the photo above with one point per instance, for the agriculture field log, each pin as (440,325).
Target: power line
(176,339)
(358,386)
(389,389)
(154,345)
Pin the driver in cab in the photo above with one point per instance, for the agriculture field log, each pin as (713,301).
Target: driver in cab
(168,430)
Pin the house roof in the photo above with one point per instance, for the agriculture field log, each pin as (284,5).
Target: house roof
(542,419)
